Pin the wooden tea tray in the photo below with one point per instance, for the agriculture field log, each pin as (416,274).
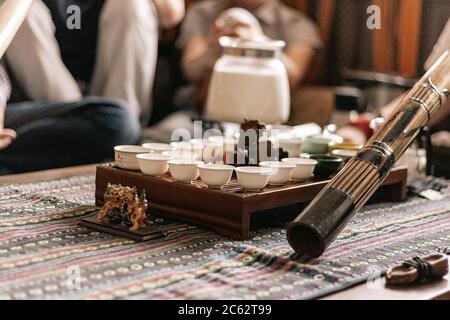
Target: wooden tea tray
(148,233)
(227,211)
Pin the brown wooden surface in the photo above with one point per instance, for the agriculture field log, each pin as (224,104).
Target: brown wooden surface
(409,28)
(438,290)
(435,290)
(227,211)
(383,39)
(47,175)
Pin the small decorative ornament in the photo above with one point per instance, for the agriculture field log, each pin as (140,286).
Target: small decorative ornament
(124,206)
(417,270)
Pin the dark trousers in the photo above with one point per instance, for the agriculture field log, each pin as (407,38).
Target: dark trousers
(55,135)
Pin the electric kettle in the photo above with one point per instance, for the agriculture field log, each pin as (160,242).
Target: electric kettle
(249,81)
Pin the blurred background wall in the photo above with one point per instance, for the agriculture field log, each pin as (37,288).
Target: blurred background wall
(408,32)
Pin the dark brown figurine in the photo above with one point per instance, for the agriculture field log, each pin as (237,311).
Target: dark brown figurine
(137,211)
(124,206)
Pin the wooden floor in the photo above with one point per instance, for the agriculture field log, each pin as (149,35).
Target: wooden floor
(374,290)
(47,175)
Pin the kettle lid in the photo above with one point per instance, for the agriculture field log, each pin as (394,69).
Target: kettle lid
(263,48)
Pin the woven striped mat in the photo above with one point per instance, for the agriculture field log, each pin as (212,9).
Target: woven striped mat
(45,254)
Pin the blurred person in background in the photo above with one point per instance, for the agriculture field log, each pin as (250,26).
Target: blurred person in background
(272,19)
(48,122)
(40,135)
(111,52)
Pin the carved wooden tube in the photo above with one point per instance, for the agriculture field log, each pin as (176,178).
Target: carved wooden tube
(325,217)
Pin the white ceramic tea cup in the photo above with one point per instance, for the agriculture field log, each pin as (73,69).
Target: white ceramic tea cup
(181,155)
(153,164)
(292,146)
(125,156)
(215,175)
(158,147)
(344,154)
(211,152)
(184,171)
(189,147)
(253,178)
(282,172)
(304,168)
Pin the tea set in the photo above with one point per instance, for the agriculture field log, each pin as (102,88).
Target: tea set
(317,156)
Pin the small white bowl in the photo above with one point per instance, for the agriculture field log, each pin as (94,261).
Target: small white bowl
(153,164)
(253,178)
(292,146)
(181,155)
(125,156)
(218,148)
(211,152)
(189,147)
(200,142)
(158,147)
(282,172)
(215,175)
(226,143)
(184,171)
(344,154)
(304,168)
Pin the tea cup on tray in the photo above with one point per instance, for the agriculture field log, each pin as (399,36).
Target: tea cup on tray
(125,156)
(153,164)
(316,145)
(326,165)
(345,146)
(344,154)
(215,175)
(158,147)
(189,147)
(304,168)
(254,178)
(282,172)
(292,146)
(181,155)
(211,151)
(184,171)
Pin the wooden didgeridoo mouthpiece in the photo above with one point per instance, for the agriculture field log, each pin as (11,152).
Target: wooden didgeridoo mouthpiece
(326,216)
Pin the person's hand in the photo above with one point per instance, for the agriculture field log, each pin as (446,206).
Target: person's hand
(248,31)
(216,33)
(7,136)
(236,28)
(234,25)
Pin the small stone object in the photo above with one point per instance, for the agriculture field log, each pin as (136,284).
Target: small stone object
(417,270)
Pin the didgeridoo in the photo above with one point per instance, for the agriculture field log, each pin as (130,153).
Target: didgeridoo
(326,216)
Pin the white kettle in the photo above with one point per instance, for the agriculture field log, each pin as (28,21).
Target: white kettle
(249,82)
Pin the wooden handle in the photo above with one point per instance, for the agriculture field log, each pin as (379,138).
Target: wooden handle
(12,15)
(321,222)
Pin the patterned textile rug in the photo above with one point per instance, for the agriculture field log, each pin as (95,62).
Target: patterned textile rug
(44,254)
